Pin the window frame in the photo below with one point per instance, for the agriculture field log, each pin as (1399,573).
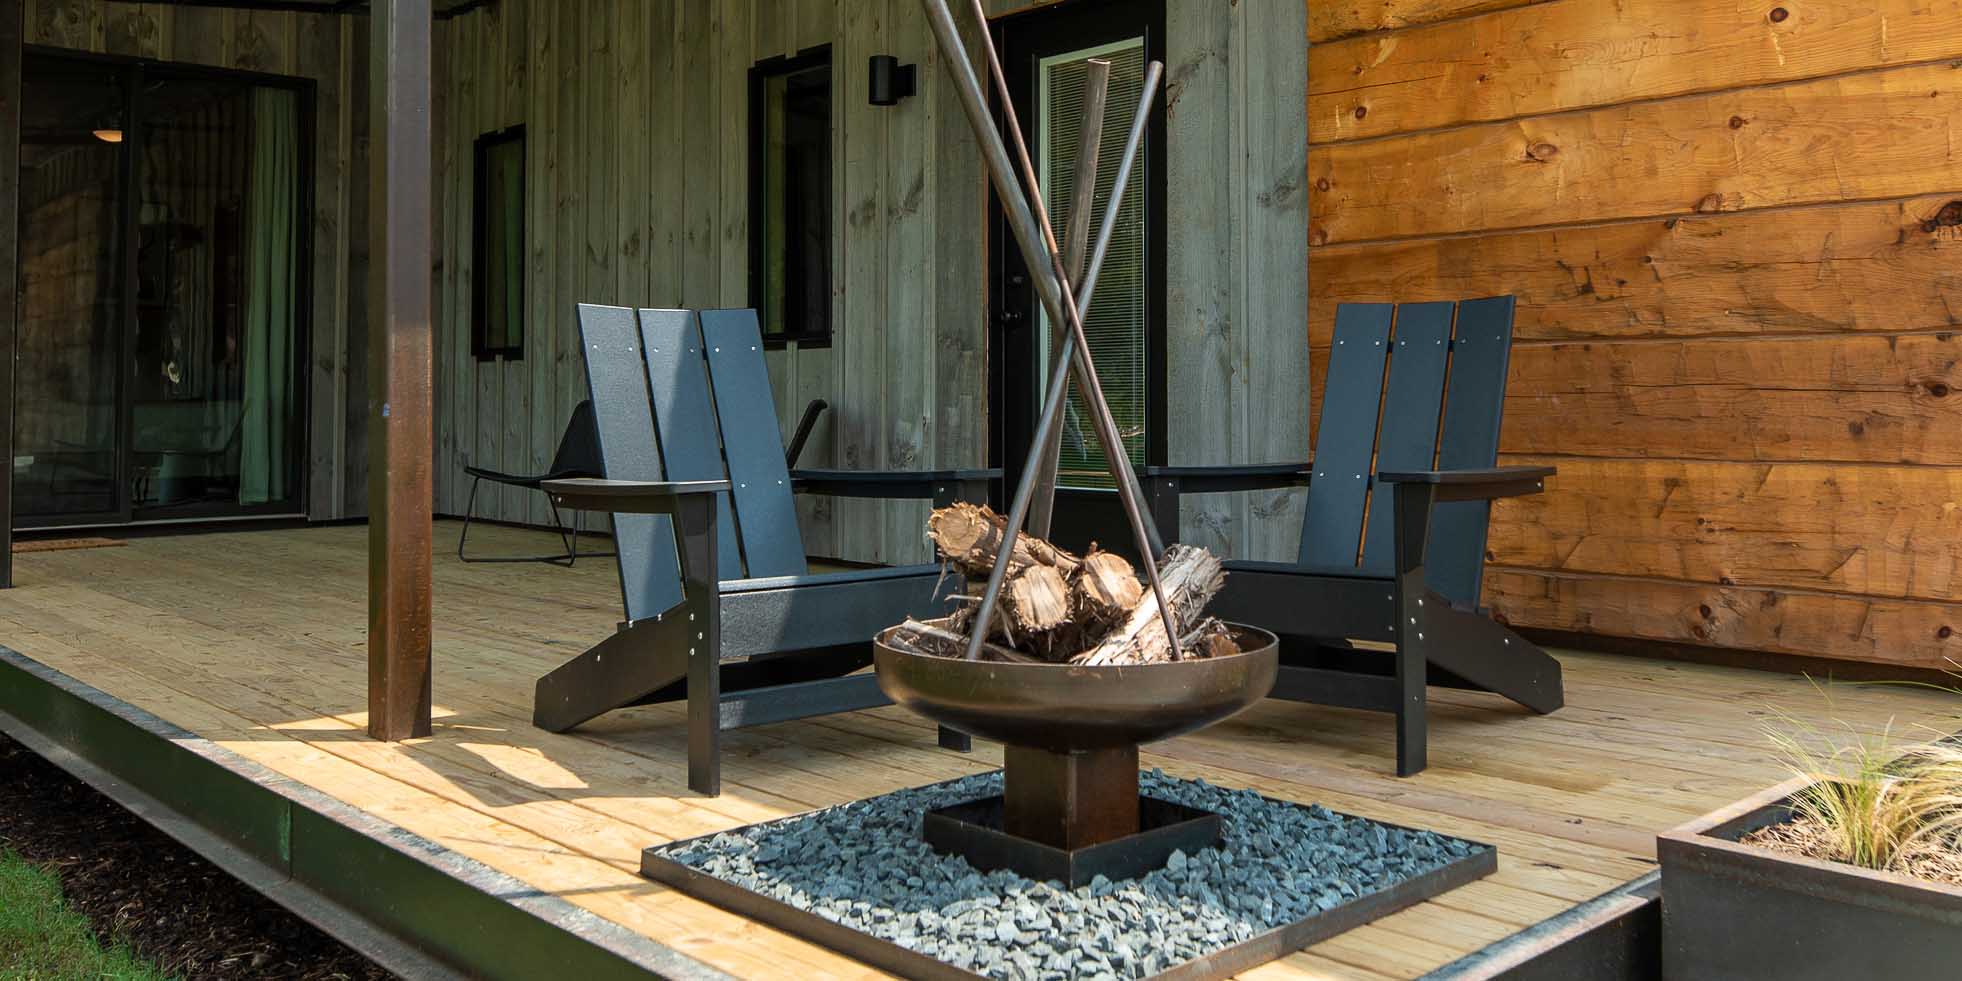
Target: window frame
(481,151)
(818,56)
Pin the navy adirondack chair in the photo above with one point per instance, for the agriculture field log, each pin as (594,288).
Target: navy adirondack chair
(1409,574)
(722,609)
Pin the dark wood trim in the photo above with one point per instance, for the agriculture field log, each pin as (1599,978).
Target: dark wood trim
(401,446)
(480,348)
(816,56)
(12,33)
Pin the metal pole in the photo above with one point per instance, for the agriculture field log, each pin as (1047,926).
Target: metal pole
(1096,85)
(400,496)
(1061,307)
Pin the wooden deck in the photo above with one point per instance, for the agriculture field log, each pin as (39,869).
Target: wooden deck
(254,640)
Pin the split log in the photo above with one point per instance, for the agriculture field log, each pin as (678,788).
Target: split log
(1037,600)
(1190,577)
(969,536)
(1106,588)
(915,637)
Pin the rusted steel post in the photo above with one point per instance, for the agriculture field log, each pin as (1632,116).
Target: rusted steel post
(400,494)
(12,36)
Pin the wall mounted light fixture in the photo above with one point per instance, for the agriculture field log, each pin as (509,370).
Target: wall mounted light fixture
(890,81)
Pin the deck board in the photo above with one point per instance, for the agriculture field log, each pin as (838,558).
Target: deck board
(255,640)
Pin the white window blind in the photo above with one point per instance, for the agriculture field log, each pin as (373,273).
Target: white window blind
(1115,323)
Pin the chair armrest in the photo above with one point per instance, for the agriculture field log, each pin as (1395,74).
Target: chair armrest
(1228,478)
(893,485)
(628,496)
(1474,485)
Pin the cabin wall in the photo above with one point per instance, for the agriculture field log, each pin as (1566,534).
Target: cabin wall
(330,50)
(636,119)
(1734,232)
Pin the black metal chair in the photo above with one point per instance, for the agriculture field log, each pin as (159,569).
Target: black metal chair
(578,455)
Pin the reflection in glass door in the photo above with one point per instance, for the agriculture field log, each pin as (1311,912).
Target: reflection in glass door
(180,192)
(67,462)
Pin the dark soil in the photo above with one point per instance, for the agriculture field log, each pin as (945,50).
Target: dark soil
(137,885)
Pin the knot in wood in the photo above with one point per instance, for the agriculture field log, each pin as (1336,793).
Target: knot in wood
(1737,122)
(1945,632)
(1542,152)
(1710,204)
(1778,15)
(1362,111)
(1949,216)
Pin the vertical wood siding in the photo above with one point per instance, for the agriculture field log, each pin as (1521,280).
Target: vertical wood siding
(637,130)
(315,46)
(1733,230)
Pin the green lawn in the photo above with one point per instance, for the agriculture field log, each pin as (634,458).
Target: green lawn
(41,939)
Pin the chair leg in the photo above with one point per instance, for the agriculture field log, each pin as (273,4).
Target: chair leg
(695,520)
(468,510)
(571,554)
(1412,672)
(956,740)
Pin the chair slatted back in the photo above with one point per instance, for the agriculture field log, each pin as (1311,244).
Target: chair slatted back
(1337,496)
(1438,404)
(753,444)
(677,379)
(616,375)
(1481,355)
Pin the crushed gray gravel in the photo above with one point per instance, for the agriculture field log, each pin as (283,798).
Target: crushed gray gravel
(863,865)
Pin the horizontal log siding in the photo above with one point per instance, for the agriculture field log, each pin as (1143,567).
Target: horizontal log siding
(1734,238)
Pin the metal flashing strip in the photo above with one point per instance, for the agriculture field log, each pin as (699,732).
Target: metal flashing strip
(1615,936)
(409,903)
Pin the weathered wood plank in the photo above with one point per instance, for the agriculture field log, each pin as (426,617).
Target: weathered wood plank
(65,23)
(1270,253)
(569,191)
(262,41)
(1330,20)
(487,50)
(1884,266)
(1206,370)
(699,105)
(666,154)
(548,408)
(1577,54)
(737,44)
(1909,633)
(1852,399)
(960,308)
(1876,135)
(1875,530)
(910,352)
(861,147)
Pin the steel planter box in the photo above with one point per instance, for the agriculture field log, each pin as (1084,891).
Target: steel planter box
(1730,911)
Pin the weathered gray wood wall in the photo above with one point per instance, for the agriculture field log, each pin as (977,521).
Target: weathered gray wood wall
(637,143)
(331,50)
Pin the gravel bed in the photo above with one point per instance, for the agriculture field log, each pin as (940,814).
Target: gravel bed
(862,864)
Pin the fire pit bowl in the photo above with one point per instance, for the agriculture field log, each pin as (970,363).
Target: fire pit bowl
(1064,708)
(1070,808)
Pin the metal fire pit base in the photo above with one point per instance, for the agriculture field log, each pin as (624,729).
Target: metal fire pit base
(974,832)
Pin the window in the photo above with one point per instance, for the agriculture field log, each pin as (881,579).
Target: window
(790,197)
(1115,324)
(497,302)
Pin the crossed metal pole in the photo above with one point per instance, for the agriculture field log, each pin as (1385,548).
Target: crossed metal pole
(1047,266)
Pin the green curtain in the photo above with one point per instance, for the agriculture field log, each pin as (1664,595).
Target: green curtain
(265,451)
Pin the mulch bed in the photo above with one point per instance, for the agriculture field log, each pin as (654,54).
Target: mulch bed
(136,884)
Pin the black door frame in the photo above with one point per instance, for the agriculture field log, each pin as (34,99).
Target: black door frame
(1013,345)
(134,73)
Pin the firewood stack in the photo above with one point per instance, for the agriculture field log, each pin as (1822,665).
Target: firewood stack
(1061,608)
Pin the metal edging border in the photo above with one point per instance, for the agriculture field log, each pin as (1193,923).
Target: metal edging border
(1598,940)
(414,906)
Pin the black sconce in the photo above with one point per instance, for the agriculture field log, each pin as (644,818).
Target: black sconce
(890,81)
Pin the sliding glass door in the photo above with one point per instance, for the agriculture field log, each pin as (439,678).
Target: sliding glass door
(163,295)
